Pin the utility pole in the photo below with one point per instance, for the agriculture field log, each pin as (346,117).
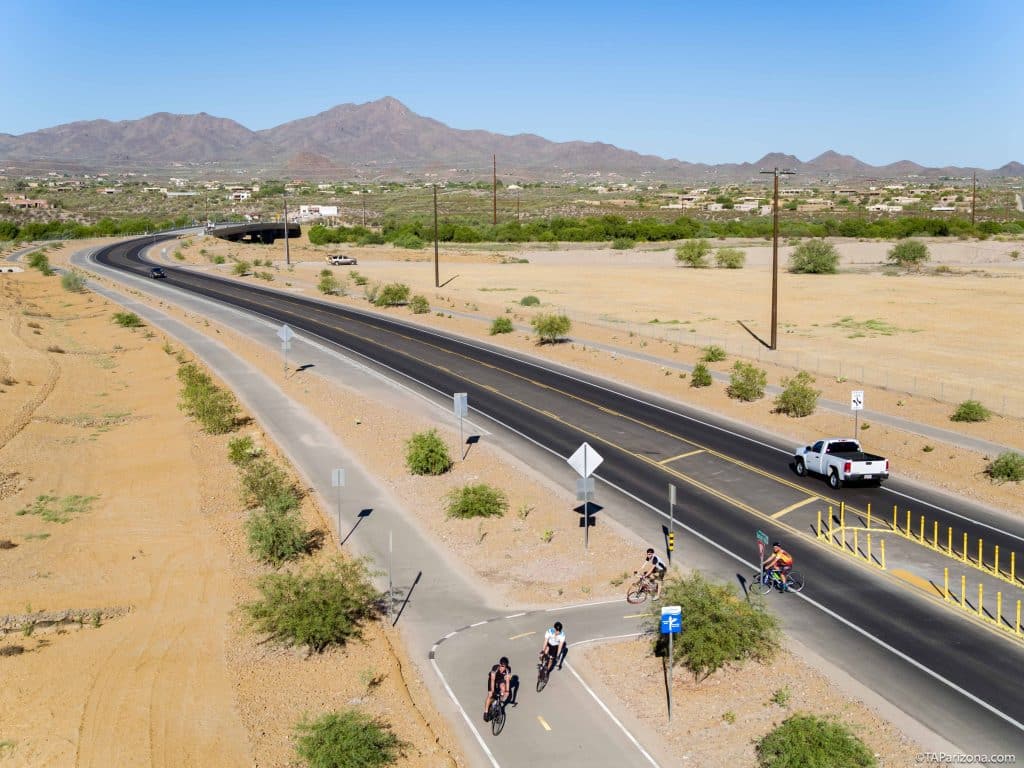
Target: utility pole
(494,186)
(364,209)
(437,275)
(974,196)
(775,256)
(517,205)
(287,256)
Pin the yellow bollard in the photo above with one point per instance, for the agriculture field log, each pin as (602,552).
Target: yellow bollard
(856,546)
(1018,617)
(869,515)
(883,554)
(819,523)
(981,598)
(963,592)
(894,517)
(995,562)
(831,526)
(965,546)
(945,584)
(935,535)
(869,549)
(909,534)
(842,514)
(949,539)
(999,608)
(921,536)
(981,562)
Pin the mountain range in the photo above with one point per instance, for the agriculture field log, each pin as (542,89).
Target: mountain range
(384,139)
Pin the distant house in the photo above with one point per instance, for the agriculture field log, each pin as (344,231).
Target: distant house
(884,208)
(20,201)
(944,208)
(816,204)
(317,211)
(241,195)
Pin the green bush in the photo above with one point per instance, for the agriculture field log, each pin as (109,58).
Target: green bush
(277,535)
(391,295)
(242,450)
(806,741)
(798,398)
(408,240)
(971,410)
(347,739)
(419,304)
(815,257)
(328,284)
(39,260)
(73,282)
(730,258)
(713,354)
(479,500)
(214,408)
(262,480)
(501,325)
(908,253)
(701,376)
(218,259)
(316,607)
(746,382)
(551,328)
(623,243)
(529,301)
(719,626)
(1008,467)
(128,320)
(241,268)
(694,253)
(427,454)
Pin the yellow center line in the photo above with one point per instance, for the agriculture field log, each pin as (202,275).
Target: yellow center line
(634,616)
(791,507)
(681,456)
(524,634)
(544,723)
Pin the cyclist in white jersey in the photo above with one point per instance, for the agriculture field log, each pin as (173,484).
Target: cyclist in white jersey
(553,650)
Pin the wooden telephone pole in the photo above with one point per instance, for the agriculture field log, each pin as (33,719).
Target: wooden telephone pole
(775,256)
(494,185)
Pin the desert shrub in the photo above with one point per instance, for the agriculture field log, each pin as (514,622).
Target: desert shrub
(798,398)
(370,291)
(713,354)
(814,257)
(128,320)
(746,382)
(529,301)
(419,304)
(908,253)
(40,261)
(179,255)
(276,535)
(479,500)
(349,739)
(218,259)
(73,282)
(214,408)
(427,454)
(242,450)
(241,268)
(971,410)
(264,482)
(730,258)
(501,325)
(391,295)
(1007,467)
(315,607)
(701,376)
(719,626)
(328,284)
(694,253)
(268,276)
(551,328)
(623,243)
(806,741)
(408,240)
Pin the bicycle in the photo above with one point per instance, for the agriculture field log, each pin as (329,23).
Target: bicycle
(643,588)
(497,713)
(544,671)
(765,581)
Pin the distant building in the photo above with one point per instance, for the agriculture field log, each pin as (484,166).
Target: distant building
(20,201)
(885,208)
(317,211)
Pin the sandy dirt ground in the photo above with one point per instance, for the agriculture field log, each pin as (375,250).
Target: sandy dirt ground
(122,643)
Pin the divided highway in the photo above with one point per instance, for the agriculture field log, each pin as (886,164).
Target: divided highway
(956,676)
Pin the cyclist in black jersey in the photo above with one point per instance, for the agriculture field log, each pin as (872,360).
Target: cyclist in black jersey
(497,683)
(655,568)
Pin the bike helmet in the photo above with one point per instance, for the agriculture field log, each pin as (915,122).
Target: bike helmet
(558,626)
(775,544)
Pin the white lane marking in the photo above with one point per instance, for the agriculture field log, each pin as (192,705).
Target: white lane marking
(450,634)
(516,615)
(466,717)
(479,623)
(601,704)
(954,514)
(580,605)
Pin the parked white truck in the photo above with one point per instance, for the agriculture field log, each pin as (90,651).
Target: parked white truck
(841,460)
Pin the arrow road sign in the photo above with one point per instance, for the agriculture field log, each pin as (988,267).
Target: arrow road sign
(284,333)
(671,620)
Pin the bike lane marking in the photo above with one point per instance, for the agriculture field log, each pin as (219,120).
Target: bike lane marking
(524,634)
(544,723)
(791,507)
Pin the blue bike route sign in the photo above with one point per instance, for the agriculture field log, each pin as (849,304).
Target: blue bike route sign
(671,620)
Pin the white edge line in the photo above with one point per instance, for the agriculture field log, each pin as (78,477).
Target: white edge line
(603,706)
(581,605)
(469,722)
(514,615)
(450,634)
(479,623)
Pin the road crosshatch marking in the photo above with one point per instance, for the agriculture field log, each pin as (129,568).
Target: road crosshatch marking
(681,456)
(791,507)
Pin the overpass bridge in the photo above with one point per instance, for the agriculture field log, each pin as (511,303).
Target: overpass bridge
(265,233)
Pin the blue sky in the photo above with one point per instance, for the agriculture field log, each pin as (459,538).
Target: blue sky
(936,82)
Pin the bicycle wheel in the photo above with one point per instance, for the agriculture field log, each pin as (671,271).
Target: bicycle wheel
(637,594)
(795,581)
(497,718)
(760,585)
(542,676)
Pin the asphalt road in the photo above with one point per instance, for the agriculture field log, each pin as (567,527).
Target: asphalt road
(958,677)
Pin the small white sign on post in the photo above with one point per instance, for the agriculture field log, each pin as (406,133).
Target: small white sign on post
(856,405)
(285,334)
(460,403)
(585,460)
(337,481)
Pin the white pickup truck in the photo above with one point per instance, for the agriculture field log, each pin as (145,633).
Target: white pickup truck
(841,460)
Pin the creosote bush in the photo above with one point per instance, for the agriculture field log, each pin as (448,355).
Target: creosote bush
(214,408)
(694,253)
(73,282)
(479,500)
(391,295)
(701,376)
(1007,467)
(427,454)
(746,382)
(328,284)
(349,739)
(315,607)
(241,268)
(128,320)
(551,328)
(798,398)
(242,450)
(419,304)
(623,243)
(529,301)
(276,533)
(806,741)
(971,410)
(720,626)
(713,354)
(814,257)
(908,253)
(39,260)
(501,325)
(265,484)
(730,258)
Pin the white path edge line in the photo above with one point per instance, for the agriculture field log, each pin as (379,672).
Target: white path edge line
(601,704)
(581,605)
(465,716)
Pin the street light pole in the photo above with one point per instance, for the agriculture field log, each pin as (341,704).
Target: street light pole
(775,256)
(974,196)
(437,275)
(287,256)
(494,186)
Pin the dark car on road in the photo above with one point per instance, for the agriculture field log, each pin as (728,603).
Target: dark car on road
(157,272)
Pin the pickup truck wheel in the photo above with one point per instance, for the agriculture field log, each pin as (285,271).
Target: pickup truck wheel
(801,469)
(833,479)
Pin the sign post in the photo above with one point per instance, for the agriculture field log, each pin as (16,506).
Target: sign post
(285,334)
(461,406)
(338,481)
(762,546)
(671,520)
(856,405)
(671,624)
(585,460)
